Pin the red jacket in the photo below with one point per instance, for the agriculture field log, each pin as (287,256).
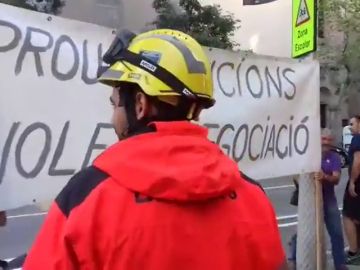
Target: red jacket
(163,200)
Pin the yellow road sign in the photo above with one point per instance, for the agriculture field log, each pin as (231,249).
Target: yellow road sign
(303,27)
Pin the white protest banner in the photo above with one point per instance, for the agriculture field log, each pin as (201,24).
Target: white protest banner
(267,115)
(55,119)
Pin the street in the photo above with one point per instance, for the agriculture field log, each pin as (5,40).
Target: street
(24,223)
(284,75)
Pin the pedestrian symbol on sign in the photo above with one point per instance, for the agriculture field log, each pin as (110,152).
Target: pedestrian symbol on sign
(303,13)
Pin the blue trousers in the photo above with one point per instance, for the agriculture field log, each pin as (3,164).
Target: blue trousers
(333,224)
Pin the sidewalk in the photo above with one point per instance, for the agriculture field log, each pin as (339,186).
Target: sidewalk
(330,265)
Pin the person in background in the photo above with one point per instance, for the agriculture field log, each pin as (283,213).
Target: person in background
(3,220)
(351,206)
(329,176)
(293,241)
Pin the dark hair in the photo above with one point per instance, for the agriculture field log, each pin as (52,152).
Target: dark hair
(357,117)
(168,112)
(165,111)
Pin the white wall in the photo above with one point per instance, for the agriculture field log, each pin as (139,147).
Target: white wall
(265,29)
(132,14)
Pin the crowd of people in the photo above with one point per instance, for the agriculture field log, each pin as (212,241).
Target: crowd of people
(330,176)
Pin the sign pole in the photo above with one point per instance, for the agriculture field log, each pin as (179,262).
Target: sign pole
(319,226)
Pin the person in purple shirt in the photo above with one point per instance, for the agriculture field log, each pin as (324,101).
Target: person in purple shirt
(330,176)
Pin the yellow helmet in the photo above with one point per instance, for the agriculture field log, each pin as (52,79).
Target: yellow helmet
(163,63)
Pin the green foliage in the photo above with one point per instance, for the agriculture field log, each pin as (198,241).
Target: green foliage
(339,20)
(45,6)
(207,24)
(342,16)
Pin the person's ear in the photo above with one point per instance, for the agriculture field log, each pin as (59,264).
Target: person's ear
(142,105)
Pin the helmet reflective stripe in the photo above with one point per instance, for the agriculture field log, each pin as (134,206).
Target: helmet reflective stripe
(192,64)
(110,74)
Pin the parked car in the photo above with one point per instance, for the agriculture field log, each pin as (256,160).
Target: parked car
(346,138)
(343,155)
